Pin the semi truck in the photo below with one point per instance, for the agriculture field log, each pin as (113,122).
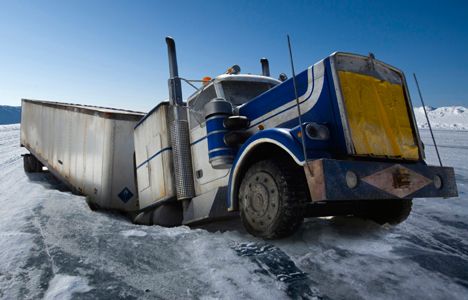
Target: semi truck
(338,138)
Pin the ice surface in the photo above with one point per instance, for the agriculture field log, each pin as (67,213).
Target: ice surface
(52,245)
(62,287)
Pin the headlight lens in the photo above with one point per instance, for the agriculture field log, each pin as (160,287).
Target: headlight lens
(351,179)
(437,182)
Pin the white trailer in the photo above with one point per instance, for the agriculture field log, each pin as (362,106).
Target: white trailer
(89,148)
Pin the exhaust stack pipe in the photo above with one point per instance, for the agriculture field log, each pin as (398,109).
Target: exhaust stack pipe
(179,130)
(175,89)
(265,67)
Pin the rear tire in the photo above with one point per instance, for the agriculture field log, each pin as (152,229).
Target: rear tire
(167,215)
(393,211)
(31,164)
(271,199)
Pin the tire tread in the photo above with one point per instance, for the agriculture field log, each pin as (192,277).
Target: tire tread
(291,188)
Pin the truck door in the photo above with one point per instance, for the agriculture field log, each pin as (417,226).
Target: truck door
(206,178)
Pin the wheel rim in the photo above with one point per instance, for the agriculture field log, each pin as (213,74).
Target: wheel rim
(260,200)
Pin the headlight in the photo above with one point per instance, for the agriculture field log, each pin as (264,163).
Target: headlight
(437,182)
(316,131)
(352,179)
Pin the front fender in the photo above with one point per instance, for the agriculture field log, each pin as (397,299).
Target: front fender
(275,136)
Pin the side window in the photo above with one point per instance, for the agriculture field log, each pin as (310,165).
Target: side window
(196,105)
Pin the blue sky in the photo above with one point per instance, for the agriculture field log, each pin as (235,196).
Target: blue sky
(113,53)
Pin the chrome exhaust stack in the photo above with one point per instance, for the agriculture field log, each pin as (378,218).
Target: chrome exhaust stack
(179,130)
(265,67)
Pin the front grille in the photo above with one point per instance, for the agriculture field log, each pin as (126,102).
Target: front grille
(378,116)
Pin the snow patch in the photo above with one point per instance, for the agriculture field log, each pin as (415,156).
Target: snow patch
(450,117)
(64,286)
(10,127)
(133,232)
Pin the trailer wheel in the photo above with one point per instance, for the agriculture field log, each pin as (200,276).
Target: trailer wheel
(92,205)
(271,197)
(31,164)
(393,212)
(27,163)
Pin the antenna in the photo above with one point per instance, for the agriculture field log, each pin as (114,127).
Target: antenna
(297,101)
(427,118)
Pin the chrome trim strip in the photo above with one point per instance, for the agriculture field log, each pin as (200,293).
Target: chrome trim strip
(219,149)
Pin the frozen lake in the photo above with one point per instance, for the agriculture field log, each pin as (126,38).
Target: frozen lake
(52,246)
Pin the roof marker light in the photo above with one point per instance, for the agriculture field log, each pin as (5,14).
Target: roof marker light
(206,80)
(234,70)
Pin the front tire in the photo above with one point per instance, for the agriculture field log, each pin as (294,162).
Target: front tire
(271,198)
(393,212)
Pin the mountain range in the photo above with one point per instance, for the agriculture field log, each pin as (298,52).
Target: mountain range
(10,114)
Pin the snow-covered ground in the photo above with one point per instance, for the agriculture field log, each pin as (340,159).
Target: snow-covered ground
(52,246)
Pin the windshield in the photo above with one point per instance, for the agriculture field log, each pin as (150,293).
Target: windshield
(239,92)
